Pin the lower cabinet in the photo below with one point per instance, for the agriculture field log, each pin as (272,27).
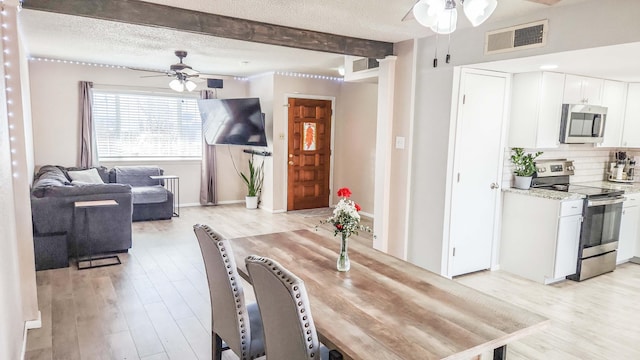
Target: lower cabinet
(629,244)
(540,237)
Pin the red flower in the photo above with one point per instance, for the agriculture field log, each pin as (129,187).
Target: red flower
(358,208)
(344,192)
(339,226)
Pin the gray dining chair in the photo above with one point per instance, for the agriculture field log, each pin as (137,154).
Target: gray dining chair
(239,325)
(289,331)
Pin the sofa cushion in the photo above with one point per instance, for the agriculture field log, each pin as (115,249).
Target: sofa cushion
(89,176)
(136,175)
(102,171)
(48,176)
(148,194)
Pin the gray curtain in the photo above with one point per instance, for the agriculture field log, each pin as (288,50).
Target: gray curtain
(208,195)
(88,148)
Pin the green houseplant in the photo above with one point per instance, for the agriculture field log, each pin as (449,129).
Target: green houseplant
(524,167)
(253,181)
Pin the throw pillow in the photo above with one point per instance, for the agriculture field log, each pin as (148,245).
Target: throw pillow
(90,176)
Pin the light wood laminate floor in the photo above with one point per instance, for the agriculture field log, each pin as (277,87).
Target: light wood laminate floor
(156,304)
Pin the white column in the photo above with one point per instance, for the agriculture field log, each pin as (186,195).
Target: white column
(384,138)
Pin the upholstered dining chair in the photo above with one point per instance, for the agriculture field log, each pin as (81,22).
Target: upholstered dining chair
(289,331)
(239,325)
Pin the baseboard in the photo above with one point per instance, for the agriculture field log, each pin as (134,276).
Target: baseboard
(229,202)
(189,205)
(366,214)
(495,267)
(24,342)
(29,324)
(34,324)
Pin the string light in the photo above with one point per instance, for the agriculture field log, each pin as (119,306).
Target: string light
(309,76)
(62,61)
(5,19)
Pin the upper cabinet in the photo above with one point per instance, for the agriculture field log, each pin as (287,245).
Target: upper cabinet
(582,90)
(631,129)
(614,97)
(536,106)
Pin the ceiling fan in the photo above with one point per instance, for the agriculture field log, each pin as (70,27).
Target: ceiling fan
(182,72)
(478,12)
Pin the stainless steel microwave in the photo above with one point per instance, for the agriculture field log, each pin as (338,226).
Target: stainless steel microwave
(581,123)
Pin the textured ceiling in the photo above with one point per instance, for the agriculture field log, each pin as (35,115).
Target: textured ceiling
(74,38)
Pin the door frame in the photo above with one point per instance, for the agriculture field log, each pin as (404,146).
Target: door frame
(453,165)
(285,150)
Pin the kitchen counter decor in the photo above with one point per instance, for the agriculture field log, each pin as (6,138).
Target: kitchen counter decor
(524,167)
(346,221)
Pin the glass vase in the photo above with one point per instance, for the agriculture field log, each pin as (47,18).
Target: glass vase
(343,263)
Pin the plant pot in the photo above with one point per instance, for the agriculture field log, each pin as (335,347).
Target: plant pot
(251,201)
(522,182)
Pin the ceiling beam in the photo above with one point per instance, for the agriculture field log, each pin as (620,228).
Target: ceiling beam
(149,14)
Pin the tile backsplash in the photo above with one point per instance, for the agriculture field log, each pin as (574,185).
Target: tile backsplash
(591,163)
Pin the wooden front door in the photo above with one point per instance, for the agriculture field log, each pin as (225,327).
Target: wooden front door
(309,154)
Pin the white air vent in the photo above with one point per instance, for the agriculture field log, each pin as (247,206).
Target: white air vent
(365,64)
(520,37)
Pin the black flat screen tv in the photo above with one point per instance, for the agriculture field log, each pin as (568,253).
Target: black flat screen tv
(233,121)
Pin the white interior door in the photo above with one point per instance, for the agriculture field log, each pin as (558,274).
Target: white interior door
(477,165)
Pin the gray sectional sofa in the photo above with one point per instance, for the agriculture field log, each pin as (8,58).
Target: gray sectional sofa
(52,209)
(56,221)
(151,201)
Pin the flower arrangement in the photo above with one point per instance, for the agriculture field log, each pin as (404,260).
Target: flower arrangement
(345,219)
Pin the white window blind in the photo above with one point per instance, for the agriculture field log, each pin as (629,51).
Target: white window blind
(133,125)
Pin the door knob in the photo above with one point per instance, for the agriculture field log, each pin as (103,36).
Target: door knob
(290,162)
(494,186)
(290,155)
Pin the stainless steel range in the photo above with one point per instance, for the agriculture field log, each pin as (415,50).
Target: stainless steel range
(601,215)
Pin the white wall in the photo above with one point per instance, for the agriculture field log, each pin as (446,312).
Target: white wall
(570,28)
(18,292)
(55,96)
(345,111)
(355,143)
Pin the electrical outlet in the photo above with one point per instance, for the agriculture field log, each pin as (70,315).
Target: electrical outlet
(399,142)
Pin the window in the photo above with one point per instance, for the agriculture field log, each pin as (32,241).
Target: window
(139,125)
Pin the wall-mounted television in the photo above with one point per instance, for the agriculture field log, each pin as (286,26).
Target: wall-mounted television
(233,121)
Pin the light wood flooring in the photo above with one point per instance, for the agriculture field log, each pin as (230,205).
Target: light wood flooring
(156,304)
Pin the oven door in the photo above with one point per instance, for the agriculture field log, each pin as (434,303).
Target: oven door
(601,226)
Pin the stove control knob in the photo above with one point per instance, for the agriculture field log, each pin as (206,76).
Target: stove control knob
(571,168)
(541,170)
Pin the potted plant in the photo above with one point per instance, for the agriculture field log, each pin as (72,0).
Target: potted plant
(254,183)
(524,167)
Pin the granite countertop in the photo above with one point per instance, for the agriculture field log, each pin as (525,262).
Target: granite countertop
(547,194)
(629,188)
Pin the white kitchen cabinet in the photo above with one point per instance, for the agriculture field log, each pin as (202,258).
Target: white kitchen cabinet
(582,90)
(631,129)
(614,97)
(540,237)
(536,107)
(567,245)
(629,236)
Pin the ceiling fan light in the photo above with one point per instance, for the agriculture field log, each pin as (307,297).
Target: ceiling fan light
(478,11)
(176,85)
(447,22)
(190,85)
(426,12)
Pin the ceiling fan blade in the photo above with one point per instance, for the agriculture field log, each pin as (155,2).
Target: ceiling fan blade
(148,70)
(545,2)
(189,72)
(409,14)
(150,76)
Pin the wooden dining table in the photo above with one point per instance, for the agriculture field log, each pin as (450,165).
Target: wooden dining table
(386,308)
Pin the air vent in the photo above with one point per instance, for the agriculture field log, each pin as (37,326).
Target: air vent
(520,37)
(365,64)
